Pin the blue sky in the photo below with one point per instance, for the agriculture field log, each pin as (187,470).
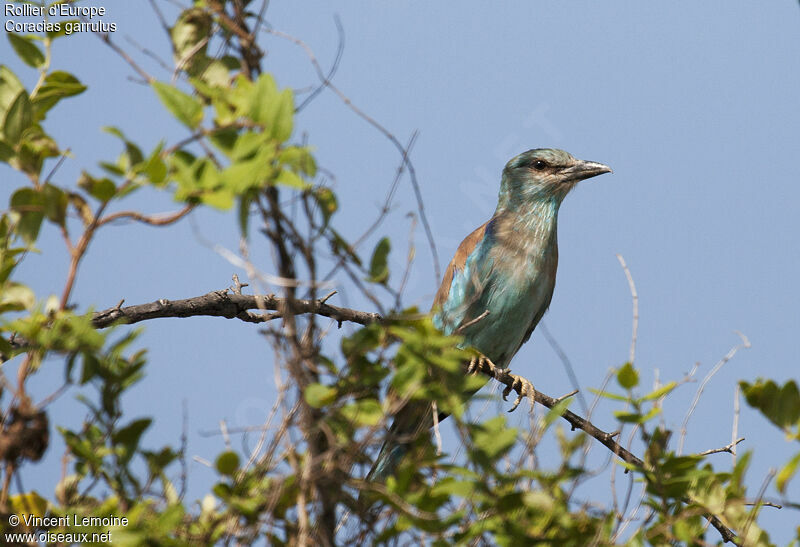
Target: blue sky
(694,105)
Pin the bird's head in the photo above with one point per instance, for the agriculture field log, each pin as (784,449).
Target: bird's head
(544,174)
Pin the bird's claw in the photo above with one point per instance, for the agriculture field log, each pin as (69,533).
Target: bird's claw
(523,387)
(506,393)
(477,362)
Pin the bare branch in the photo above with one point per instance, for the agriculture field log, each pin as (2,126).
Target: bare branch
(471,322)
(735,427)
(152,220)
(635,299)
(230,306)
(728,356)
(729,448)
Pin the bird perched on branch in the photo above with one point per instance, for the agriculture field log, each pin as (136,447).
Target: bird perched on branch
(501,279)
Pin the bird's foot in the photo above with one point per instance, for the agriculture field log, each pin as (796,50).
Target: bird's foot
(523,387)
(478,362)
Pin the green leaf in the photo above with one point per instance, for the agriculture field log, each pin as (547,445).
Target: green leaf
(190,29)
(378,266)
(219,199)
(627,376)
(34,148)
(18,118)
(28,206)
(111,168)
(30,503)
(59,84)
(228,463)
(214,72)
(10,87)
(365,412)
(128,437)
(283,122)
(155,168)
(6,152)
(16,297)
(290,179)
(55,204)
(493,438)
(636,418)
(786,473)
(90,368)
(299,159)
(341,247)
(609,395)
(556,412)
(272,109)
(247,145)
(82,207)
(261,96)
(222,490)
(451,486)
(185,108)
(101,189)
(319,395)
(327,202)
(134,153)
(780,404)
(30,54)
(245,200)
(660,392)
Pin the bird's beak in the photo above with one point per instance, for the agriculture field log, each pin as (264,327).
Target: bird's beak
(581,170)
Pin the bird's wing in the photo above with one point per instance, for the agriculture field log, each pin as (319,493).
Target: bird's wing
(545,305)
(459,282)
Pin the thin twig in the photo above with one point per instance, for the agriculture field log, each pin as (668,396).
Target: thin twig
(735,428)
(334,66)
(562,355)
(60,161)
(106,38)
(153,220)
(728,356)
(730,448)
(436,433)
(386,133)
(471,322)
(758,502)
(635,299)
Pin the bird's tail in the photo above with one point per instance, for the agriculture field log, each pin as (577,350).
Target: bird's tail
(388,458)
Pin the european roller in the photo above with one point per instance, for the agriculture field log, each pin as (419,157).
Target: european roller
(501,279)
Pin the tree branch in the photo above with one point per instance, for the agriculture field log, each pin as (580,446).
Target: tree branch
(230,306)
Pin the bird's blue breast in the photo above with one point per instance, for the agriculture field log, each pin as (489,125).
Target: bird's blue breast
(510,273)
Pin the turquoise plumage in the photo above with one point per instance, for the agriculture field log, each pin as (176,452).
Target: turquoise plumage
(507,267)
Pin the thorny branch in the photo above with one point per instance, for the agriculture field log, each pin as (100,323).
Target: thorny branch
(231,306)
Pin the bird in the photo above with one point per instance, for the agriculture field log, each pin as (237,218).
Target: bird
(501,280)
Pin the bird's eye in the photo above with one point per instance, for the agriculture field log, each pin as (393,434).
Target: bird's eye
(539,165)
